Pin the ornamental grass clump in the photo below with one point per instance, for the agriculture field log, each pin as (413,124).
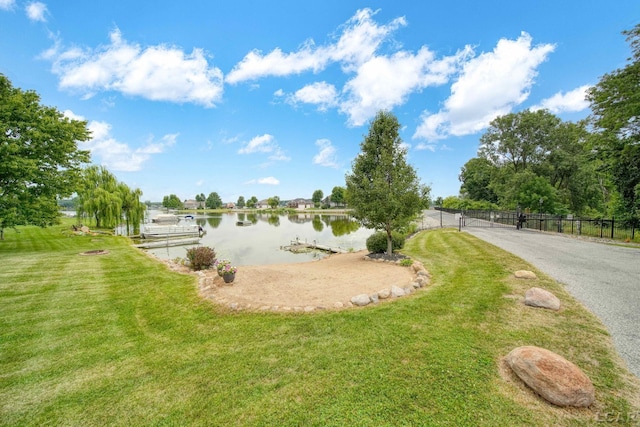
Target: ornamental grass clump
(201,257)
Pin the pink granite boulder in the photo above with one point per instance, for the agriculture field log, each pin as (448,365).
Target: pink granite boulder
(536,297)
(551,376)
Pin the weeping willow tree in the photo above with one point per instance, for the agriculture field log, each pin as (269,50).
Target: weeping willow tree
(132,208)
(107,201)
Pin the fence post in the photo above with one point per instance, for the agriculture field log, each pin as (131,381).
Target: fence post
(613,223)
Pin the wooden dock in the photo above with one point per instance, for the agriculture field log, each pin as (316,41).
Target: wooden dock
(297,246)
(168,242)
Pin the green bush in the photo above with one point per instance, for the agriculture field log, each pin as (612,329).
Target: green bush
(377,242)
(201,257)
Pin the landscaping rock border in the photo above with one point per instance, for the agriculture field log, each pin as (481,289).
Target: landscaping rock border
(421,279)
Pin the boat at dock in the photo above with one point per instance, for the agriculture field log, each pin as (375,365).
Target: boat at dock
(166,219)
(243,223)
(153,231)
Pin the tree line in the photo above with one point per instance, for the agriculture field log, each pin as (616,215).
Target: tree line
(213,200)
(534,161)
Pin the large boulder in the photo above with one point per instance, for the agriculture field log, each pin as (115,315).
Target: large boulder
(551,376)
(536,297)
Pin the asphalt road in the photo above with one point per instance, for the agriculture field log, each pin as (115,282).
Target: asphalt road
(604,278)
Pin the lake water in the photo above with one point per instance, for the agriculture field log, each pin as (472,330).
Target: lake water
(260,243)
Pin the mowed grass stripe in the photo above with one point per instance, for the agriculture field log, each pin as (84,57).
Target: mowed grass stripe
(121,340)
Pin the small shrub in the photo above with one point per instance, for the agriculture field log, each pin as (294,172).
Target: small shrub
(201,257)
(407,262)
(377,242)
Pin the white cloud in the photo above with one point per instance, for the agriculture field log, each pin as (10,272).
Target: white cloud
(379,81)
(384,82)
(7,4)
(115,155)
(158,73)
(269,180)
(264,144)
(572,101)
(488,86)
(36,11)
(360,38)
(327,154)
(322,94)
(426,146)
(259,144)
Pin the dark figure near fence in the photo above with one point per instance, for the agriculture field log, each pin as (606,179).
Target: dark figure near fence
(521,220)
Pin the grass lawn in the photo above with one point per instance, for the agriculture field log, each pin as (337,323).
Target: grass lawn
(118,339)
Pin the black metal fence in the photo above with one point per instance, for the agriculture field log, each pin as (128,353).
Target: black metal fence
(591,227)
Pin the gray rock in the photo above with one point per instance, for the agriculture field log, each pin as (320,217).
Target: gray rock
(415,285)
(309,308)
(536,297)
(374,298)
(408,290)
(397,292)
(361,300)
(384,294)
(422,280)
(338,304)
(423,273)
(551,376)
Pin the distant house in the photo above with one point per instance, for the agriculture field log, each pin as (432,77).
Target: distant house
(327,202)
(191,204)
(230,205)
(300,204)
(263,204)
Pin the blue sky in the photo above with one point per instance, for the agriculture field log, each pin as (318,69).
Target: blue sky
(274,98)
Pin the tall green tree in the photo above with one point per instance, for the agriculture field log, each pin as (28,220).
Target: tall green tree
(132,208)
(214,201)
(172,202)
(476,177)
(39,158)
(317,197)
(273,202)
(240,202)
(518,140)
(337,195)
(252,202)
(383,189)
(201,199)
(99,197)
(615,105)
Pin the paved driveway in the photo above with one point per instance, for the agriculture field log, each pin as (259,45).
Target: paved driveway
(605,278)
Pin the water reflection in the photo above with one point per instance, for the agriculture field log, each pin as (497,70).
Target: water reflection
(261,242)
(274,220)
(317,223)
